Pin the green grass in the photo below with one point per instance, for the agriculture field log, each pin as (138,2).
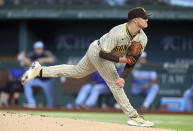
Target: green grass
(176,122)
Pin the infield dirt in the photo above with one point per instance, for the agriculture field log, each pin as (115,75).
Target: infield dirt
(25,122)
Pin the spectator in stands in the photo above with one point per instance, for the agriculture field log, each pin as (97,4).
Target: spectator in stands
(42,56)
(89,93)
(145,83)
(13,86)
(188,98)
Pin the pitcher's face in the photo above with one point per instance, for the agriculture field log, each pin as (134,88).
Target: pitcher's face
(142,23)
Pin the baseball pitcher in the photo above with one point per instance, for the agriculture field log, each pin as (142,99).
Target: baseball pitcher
(125,39)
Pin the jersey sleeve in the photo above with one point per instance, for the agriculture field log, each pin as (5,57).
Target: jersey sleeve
(109,41)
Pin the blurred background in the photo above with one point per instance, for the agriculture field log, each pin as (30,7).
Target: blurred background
(67,27)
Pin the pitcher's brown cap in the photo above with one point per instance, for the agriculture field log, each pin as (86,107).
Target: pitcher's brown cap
(138,12)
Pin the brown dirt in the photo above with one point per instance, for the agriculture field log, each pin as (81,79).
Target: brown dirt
(24,122)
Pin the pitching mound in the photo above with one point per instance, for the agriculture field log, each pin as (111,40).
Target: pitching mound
(24,122)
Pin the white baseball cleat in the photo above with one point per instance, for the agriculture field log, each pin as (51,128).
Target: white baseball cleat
(139,121)
(31,73)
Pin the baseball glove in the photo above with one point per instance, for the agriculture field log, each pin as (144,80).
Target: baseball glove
(135,48)
(134,52)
